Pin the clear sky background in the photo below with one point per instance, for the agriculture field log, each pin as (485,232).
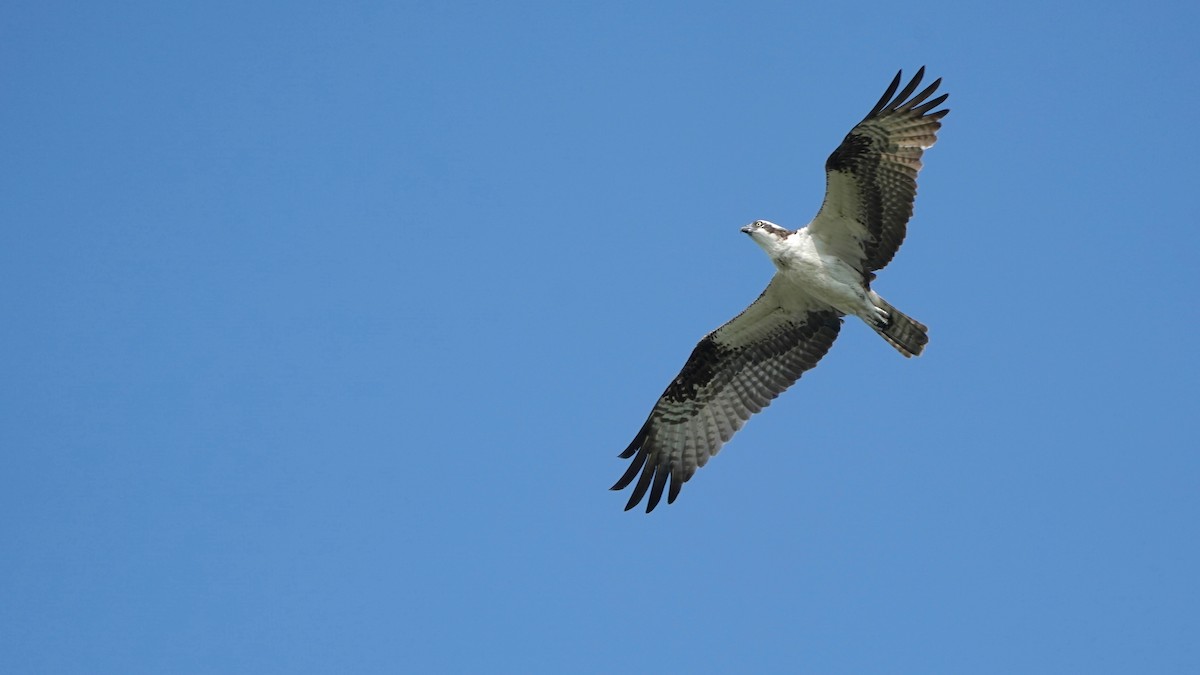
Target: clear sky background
(323,325)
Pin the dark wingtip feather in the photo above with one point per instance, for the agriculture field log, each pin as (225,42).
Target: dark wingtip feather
(887,95)
(930,105)
(893,101)
(908,89)
(915,100)
(634,467)
(638,441)
(676,483)
(660,481)
(643,484)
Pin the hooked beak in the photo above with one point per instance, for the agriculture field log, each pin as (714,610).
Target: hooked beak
(748,229)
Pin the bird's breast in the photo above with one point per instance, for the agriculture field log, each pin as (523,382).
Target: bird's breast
(825,277)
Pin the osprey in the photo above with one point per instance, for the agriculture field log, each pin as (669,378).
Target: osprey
(823,272)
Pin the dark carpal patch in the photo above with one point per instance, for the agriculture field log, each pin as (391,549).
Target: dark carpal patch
(698,371)
(849,154)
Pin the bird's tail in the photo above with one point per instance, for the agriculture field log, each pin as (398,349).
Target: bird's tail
(903,332)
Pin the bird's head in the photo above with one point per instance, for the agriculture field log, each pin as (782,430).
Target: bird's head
(764,232)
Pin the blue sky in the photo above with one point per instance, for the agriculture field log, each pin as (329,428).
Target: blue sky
(324,324)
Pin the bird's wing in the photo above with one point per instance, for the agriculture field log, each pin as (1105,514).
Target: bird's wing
(871,179)
(733,372)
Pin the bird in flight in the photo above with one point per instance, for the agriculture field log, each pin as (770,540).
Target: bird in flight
(823,272)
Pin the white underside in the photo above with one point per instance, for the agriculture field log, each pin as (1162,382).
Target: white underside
(805,261)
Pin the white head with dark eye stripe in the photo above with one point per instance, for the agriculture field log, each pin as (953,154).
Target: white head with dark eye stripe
(765,232)
(765,228)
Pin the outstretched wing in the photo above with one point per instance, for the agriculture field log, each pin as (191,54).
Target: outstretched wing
(871,179)
(733,372)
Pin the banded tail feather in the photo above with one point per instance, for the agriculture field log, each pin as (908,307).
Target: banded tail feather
(903,332)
